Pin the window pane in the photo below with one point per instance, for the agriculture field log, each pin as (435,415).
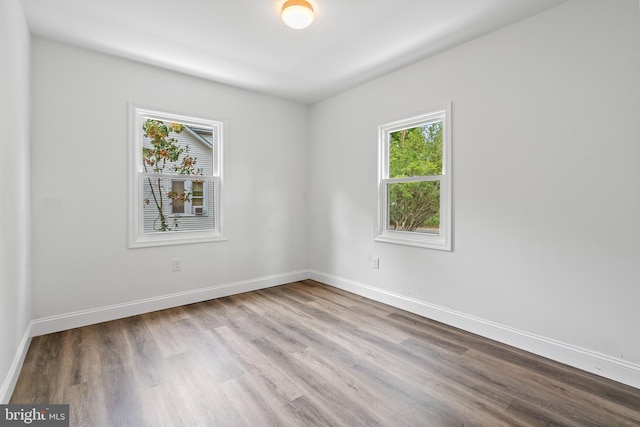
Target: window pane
(177,197)
(197,193)
(165,207)
(414,206)
(416,151)
(197,188)
(176,148)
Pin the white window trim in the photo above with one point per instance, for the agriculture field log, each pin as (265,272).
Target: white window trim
(137,236)
(443,240)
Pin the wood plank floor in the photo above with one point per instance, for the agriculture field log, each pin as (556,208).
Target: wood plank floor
(306,354)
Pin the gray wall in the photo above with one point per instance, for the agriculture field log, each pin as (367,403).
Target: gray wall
(546,131)
(15,235)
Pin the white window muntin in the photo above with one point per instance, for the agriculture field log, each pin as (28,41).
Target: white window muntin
(441,240)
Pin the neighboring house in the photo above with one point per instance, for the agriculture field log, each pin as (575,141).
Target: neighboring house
(198,212)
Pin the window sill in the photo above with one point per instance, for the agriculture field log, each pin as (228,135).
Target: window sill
(176,238)
(421,240)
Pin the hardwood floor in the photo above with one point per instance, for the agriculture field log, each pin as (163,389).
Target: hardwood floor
(306,354)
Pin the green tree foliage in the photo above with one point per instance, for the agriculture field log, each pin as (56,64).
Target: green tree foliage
(415,152)
(165,155)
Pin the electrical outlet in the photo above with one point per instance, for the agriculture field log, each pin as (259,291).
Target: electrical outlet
(176,264)
(376,263)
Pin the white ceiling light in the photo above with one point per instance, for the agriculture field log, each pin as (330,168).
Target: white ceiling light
(297,14)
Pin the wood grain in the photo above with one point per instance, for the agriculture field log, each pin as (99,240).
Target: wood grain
(306,354)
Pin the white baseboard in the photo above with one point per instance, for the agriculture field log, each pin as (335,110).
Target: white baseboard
(77,319)
(11,379)
(605,366)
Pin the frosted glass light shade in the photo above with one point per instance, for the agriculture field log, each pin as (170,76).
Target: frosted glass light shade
(297,14)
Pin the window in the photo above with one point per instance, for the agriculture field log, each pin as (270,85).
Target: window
(176,181)
(414,181)
(198,196)
(188,197)
(177,205)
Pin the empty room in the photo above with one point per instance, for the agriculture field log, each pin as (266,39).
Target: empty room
(320,212)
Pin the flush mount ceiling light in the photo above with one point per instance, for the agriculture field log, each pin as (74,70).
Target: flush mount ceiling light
(297,14)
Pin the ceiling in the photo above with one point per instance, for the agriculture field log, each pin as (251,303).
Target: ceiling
(243,42)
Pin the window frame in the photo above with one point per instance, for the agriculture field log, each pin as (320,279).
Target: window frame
(137,237)
(442,240)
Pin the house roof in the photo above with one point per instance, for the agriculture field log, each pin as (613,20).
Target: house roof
(202,134)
